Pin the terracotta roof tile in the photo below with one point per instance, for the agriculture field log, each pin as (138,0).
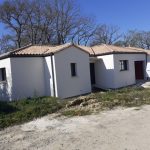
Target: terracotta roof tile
(105,49)
(32,50)
(140,49)
(44,49)
(94,50)
(54,49)
(88,49)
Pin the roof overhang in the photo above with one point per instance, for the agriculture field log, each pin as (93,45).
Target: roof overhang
(110,53)
(45,54)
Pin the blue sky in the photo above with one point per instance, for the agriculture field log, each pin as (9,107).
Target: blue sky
(127,14)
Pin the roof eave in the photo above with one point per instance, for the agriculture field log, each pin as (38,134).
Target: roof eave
(26,55)
(109,53)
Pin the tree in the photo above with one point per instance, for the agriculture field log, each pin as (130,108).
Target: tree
(146,39)
(84,31)
(70,25)
(39,27)
(45,22)
(120,43)
(5,44)
(66,20)
(136,38)
(12,14)
(106,34)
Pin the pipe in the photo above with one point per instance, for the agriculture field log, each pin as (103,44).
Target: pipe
(52,63)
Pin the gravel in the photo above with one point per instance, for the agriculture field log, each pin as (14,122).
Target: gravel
(119,129)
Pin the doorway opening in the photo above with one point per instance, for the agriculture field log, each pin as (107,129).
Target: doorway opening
(92,72)
(139,70)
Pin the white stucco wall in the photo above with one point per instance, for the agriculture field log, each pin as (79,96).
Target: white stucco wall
(125,78)
(68,86)
(108,74)
(5,86)
(104,72)
(28,78)
(148,67)
(49,85)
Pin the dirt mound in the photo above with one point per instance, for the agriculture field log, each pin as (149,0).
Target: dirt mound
(84,103)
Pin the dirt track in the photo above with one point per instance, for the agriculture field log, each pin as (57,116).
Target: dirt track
(119,129)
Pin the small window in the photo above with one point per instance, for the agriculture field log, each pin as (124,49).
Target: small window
(2,74)
(123,65)
(73,69)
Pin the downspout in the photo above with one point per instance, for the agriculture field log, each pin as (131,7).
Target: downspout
(53,76)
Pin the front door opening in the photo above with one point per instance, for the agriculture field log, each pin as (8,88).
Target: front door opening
(92,72)
(139,70)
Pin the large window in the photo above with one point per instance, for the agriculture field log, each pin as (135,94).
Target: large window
(2,74)
(123,65)
(73,69)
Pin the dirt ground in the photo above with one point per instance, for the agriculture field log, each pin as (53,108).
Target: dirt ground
(119,129)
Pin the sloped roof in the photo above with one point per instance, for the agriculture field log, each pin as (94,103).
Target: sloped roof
(104,49)
(45,50)
(39,50)
(88,49)
(111,49)
(32,50)
(140,49)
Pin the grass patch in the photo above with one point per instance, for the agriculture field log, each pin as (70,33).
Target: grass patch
(17,112)
(25,110)
(71,113)
(127,97)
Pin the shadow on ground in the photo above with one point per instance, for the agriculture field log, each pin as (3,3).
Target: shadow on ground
(7,108)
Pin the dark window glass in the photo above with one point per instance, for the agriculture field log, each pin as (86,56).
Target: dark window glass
(73,69)
(3,74)
(123,65)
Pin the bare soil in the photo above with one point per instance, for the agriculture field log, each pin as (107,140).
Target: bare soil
(119,129)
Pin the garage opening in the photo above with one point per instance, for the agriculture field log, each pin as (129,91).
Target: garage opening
(139,70)
(92,72)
